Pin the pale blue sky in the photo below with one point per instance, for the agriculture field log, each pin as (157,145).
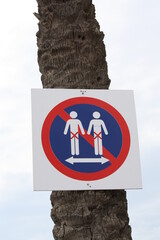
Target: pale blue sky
(132,36)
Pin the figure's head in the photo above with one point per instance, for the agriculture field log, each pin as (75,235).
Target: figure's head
(96,115)
(73,114)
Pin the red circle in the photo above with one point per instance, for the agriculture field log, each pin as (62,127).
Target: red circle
(69,172)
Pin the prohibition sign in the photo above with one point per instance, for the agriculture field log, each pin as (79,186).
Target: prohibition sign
(115,160)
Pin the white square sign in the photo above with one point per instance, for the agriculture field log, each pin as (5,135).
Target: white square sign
(84,139)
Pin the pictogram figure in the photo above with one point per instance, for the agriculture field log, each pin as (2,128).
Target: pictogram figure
(97,124)
(74,125)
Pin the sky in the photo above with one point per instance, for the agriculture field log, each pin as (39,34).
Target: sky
(132,36)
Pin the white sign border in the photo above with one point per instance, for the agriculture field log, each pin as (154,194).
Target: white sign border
(47,177)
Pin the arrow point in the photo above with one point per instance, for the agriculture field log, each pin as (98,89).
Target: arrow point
(70,160)
(104,160)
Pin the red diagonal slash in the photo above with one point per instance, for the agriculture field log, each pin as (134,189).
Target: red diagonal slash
(65,116)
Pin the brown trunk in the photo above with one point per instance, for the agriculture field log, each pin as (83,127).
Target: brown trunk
(71,54)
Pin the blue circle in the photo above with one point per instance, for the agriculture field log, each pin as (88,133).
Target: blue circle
(60,143)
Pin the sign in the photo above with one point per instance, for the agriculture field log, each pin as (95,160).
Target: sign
(84,139)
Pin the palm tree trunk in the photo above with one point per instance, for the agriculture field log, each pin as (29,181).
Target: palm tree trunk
(71,54)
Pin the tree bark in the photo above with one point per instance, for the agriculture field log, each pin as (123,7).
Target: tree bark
(71,54)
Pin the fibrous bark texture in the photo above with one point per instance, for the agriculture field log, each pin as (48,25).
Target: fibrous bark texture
(71,50)
(90,215)
(71,54)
